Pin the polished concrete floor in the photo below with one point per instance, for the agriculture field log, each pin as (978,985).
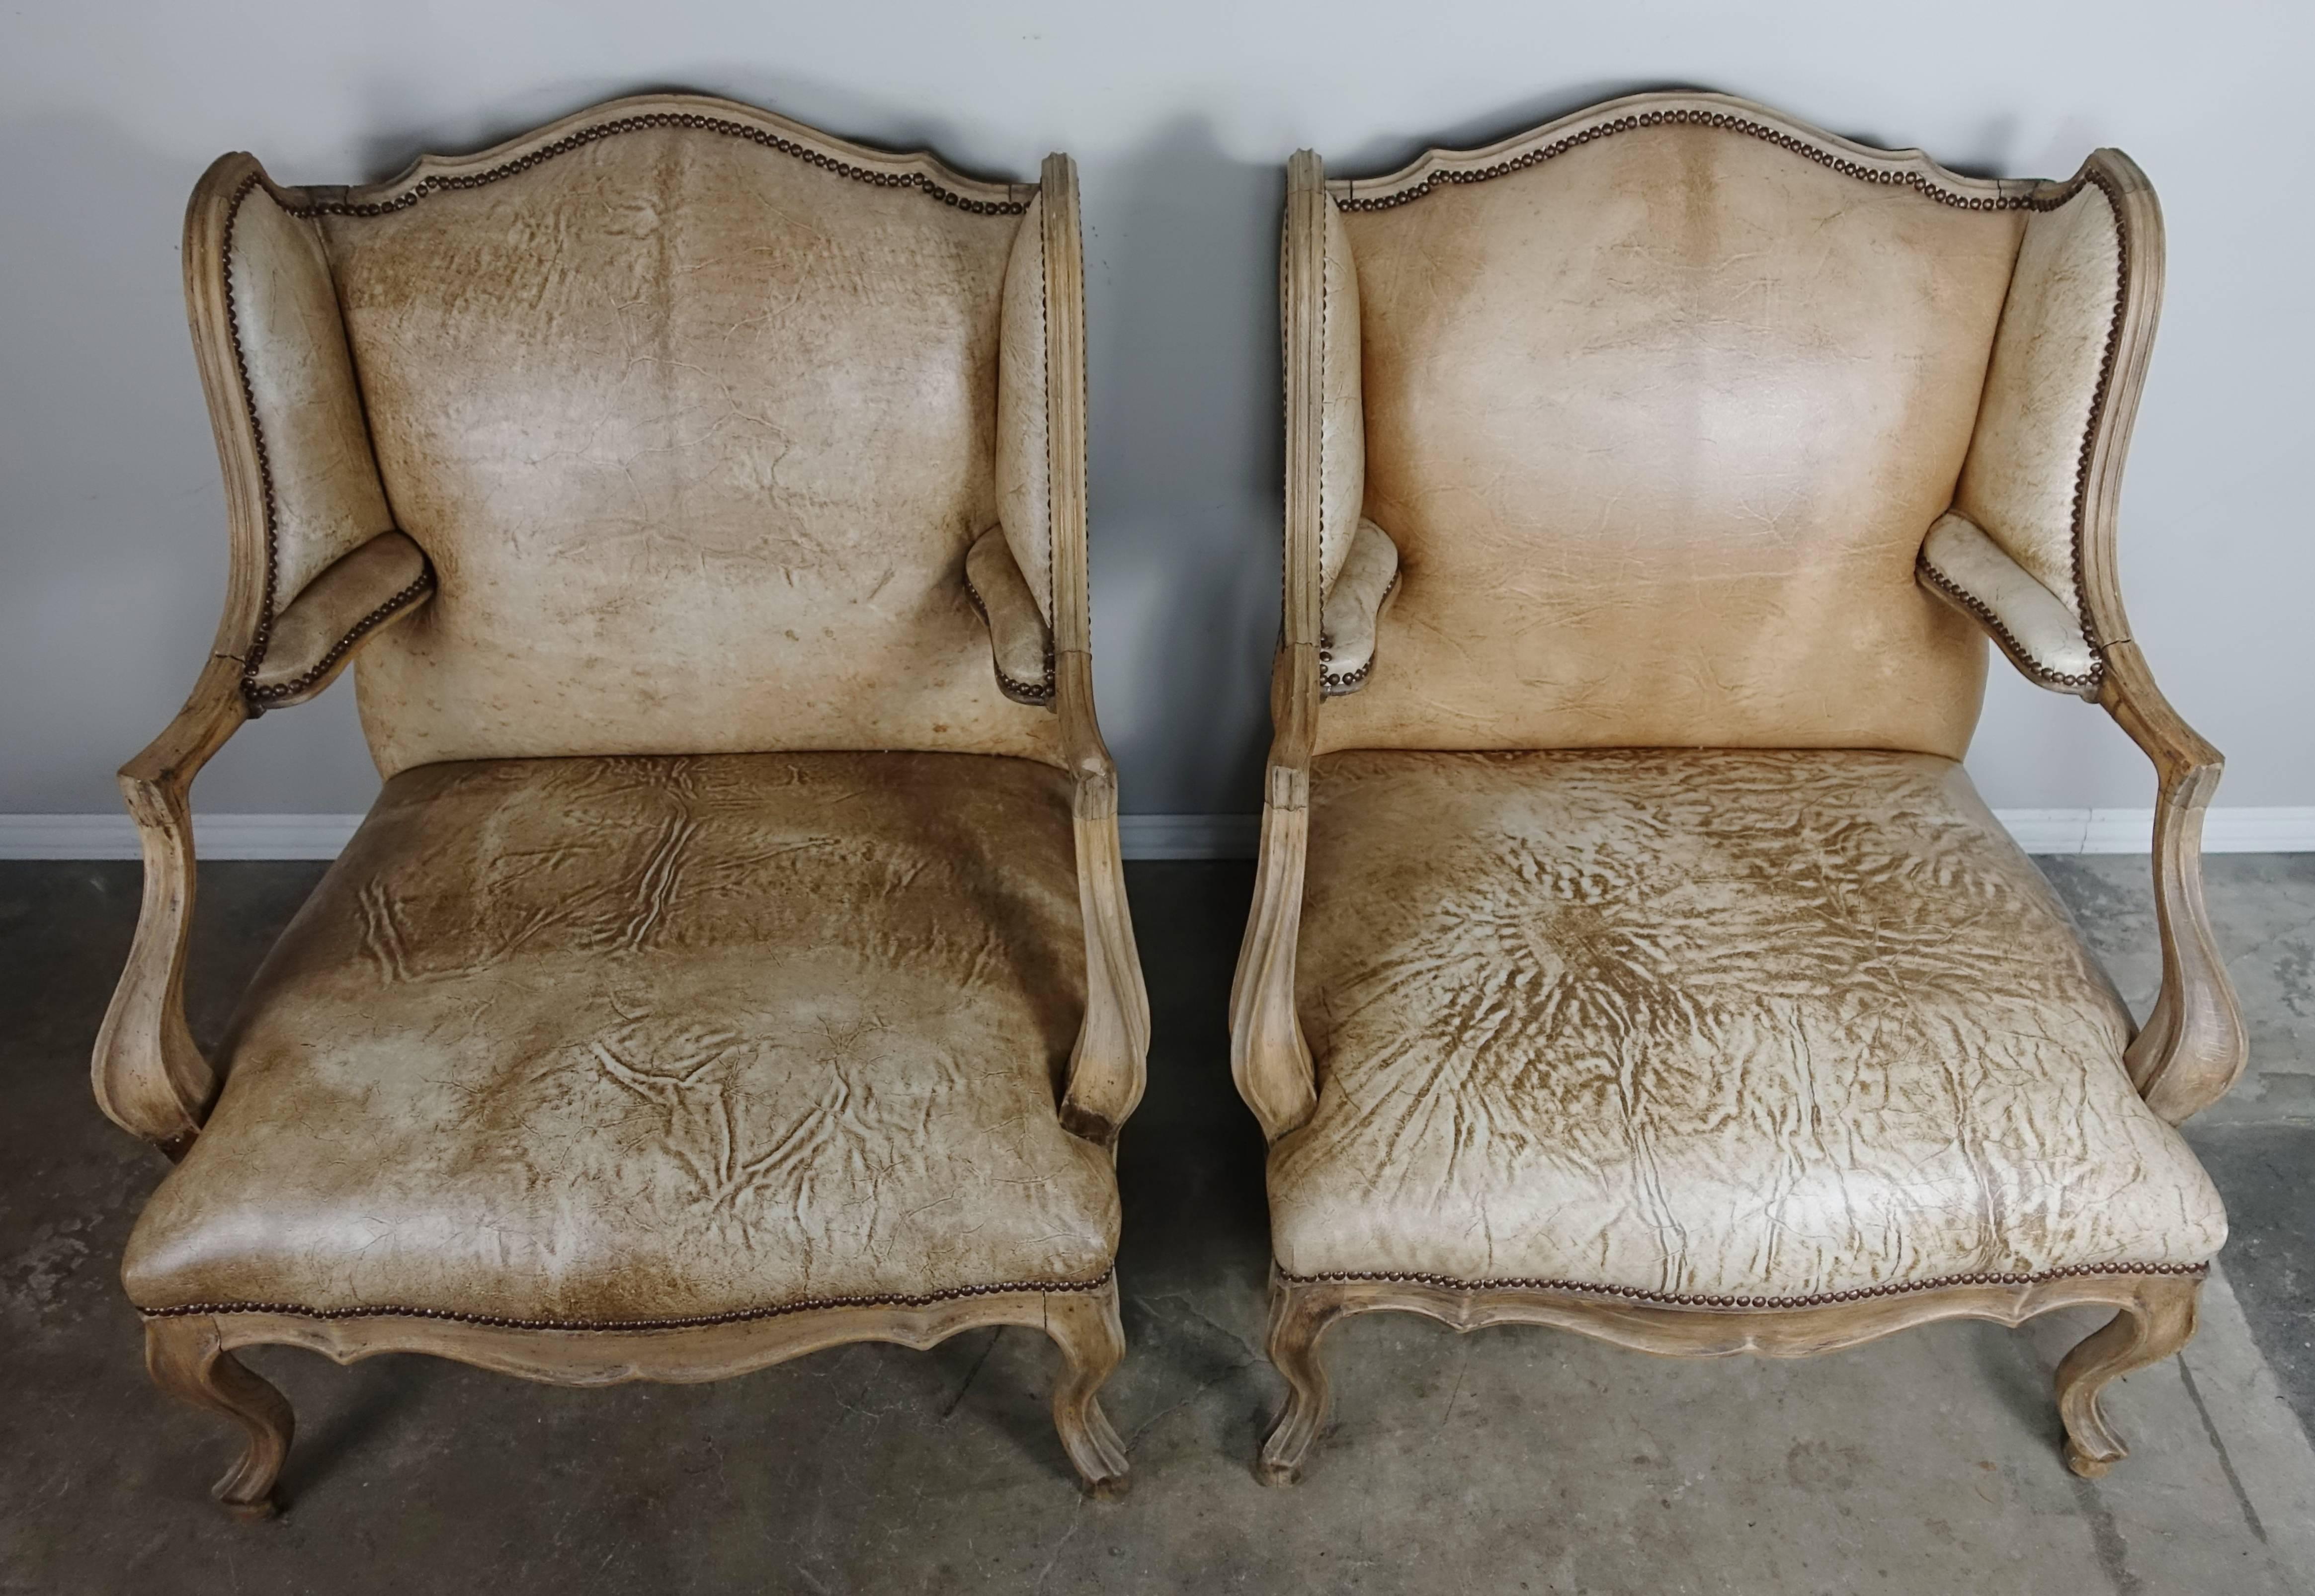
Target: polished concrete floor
(1514,1459)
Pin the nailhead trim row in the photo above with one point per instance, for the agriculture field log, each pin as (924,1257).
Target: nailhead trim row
(1927,187)
(1699,1300)
(1685,117)
(260,697)
(264,634)
(691,120)
(2008,639)
(1018,691)
(692,1322)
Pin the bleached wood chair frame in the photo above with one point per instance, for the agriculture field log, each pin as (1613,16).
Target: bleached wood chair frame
(2188,1054)
(152,1078)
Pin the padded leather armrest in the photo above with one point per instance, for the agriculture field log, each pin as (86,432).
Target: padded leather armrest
(1018,639)
(1353,609)
(315,636)
(1977,576)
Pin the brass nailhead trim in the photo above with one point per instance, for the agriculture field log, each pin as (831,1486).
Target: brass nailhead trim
(264,634)
(1698,1299)
(362,628)
(1915,181)
(669,119)
(1710,118)
(2002,634)
(692,1322)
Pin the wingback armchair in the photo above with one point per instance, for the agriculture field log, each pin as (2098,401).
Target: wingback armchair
(735,962)
(1630,951)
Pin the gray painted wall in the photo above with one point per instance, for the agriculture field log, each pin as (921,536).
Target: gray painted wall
(1181,117)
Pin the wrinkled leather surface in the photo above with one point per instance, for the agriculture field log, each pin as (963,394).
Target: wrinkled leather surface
(1342,410)
(1025,498)
(652,1038)
(1693,1020)
(1019,643)
(1658,427)
(2019,483)
(334,603)
(677,418)
(1347,620)
(2041,625)
(326,496)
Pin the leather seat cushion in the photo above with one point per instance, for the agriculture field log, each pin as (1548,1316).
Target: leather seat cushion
(646,1039)
(1730,1024)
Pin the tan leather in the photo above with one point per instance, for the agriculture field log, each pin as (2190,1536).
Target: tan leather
(2019,481)
(697,434)
(1020,644)
(1658,426)
(1689,1021)
(335,611)
(326,498)
(1963,566)
(1024,493)
(1341,414)
(657,1038)
(1354,608)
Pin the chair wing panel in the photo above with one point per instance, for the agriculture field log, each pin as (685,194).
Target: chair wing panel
(1342,405)
(1025,492)
(2026,478)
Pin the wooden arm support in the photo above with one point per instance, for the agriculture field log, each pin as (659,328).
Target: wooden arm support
(1108,1067)
(149,1077)
(1269,1058)
(2193,1046)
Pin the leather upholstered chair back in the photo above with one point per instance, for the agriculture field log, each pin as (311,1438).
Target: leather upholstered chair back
(1658,414)
(695,416)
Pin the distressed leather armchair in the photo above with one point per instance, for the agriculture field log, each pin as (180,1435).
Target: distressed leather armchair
(736,961)
(1629,952)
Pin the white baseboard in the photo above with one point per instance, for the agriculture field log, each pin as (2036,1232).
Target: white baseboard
(2226,831)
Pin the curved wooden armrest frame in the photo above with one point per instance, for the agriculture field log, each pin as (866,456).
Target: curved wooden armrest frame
(1106,1067)
(2193,1047)
(148,1076)
(1269,1058)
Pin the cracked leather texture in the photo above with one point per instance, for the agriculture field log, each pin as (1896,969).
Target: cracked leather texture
(327,500)
(1718,1022)
(2018,482)
(1658,427)
(1025,497)
(676,417)
(651,1038)
(2041,625)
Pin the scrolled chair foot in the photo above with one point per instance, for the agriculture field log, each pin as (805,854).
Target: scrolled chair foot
(187,1359)
(2149,1329)
(1299,1316)
(1085,1326)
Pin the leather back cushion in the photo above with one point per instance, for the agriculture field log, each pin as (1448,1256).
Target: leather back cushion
(1659,425)
(696,435)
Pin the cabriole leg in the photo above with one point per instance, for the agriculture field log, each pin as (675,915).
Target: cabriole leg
(187,1359)
(2150,1328)
(1299,1316)
(1085,1326)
